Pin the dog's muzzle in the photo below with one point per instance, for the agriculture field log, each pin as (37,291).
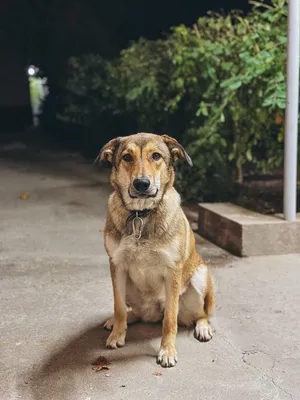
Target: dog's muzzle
(141,185)
(142,188)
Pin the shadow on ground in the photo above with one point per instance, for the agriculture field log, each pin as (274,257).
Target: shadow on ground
(58,374)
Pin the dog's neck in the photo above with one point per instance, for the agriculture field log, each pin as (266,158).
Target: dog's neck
(156,221)
(141,213)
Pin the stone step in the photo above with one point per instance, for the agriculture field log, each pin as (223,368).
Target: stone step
(247,233)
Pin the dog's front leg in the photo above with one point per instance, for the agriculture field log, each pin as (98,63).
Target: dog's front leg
(167,355)
(118,334)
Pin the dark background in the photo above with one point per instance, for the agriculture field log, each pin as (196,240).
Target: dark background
(33,26)
(47,32)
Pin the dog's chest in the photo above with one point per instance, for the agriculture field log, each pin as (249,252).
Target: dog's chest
(145,262)
(139,252)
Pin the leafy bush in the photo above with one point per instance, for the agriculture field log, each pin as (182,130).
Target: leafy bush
(218,86)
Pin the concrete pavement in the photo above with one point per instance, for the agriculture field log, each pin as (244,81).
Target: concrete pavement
(55,293)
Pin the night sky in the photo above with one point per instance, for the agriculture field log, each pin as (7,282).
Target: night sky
(83,26)
(151,19)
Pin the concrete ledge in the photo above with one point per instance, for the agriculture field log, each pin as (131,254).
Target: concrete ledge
(247,233)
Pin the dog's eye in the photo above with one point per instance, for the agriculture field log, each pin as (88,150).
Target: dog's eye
(156,156)
(127,157)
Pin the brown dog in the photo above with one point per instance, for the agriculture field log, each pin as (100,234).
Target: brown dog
(156,271)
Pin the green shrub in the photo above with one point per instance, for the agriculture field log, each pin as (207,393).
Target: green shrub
(218,86)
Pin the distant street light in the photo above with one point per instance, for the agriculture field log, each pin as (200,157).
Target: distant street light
(38,90)
(31,71)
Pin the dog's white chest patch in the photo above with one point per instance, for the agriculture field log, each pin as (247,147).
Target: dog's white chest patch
(146,265)
(138,253)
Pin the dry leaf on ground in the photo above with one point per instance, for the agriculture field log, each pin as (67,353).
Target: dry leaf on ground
(157,374)
(24,196)
(101,364)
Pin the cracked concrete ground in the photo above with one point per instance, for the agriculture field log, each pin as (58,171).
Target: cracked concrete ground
(55,294)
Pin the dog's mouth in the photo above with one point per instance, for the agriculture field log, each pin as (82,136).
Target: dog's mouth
(146,195)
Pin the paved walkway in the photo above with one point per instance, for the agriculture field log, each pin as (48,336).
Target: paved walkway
(55,292)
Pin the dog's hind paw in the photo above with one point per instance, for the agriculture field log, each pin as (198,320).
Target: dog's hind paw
(109,324)
(203,330)
(167,357)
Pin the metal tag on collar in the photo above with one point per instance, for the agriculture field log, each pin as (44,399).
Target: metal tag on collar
(137,226)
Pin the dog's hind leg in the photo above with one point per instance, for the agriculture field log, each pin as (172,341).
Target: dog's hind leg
(203,329)
(131,319)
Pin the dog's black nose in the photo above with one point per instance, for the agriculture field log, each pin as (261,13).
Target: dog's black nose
(141,184)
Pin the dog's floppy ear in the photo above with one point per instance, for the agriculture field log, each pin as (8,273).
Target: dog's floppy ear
(176,149)
(107,152)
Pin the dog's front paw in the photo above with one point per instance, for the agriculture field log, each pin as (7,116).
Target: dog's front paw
(167,357)
(116,340)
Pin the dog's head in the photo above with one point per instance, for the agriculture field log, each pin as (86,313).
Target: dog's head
(142,167)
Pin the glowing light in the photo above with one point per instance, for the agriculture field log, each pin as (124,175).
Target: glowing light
(31,71)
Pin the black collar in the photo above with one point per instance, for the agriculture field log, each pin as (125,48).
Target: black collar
(140,213)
